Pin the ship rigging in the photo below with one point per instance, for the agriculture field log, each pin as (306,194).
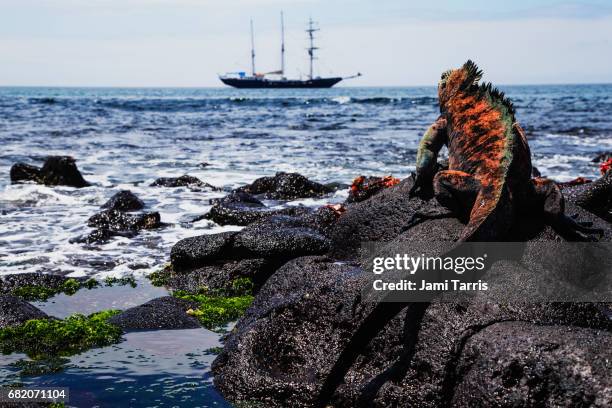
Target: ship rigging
(258,80)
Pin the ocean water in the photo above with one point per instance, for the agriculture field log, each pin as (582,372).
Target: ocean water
(125,138)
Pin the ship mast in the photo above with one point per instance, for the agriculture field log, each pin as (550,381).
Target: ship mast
(282,46)
(311,49)
(252,50)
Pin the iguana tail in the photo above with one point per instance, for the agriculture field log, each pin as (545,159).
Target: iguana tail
(491,216)
(382,314)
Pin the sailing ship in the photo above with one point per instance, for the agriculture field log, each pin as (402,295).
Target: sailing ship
(262,80)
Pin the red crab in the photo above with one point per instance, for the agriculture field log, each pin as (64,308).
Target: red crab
(606,166)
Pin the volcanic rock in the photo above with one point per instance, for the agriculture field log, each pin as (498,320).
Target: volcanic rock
(182,181)
(240,208)
(286,186)
(163,313)
(523,364)
(220,276)
(56,171)
(14,311)
(124,200)
(115,220)
(196,251)
(595,197)
(281,352)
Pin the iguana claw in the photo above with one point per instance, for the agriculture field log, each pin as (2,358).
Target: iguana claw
(419,217)
(579,231)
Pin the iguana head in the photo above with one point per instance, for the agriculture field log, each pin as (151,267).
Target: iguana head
(456,80)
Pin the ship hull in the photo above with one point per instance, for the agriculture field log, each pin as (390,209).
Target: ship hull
(258,83)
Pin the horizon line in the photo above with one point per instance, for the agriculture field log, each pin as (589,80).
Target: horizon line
(338,87)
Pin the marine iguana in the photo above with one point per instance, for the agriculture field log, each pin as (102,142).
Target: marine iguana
(488,181)
(488,184)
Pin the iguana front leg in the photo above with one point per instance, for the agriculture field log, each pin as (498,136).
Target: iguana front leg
(427,155)
(455,191)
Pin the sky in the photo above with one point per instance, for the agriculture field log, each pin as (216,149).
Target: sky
(186,43)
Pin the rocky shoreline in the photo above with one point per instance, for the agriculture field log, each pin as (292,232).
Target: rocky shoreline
(294,278)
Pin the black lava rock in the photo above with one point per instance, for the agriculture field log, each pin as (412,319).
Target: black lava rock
(297,321)
(56,171)
(114,220)
(8,283)
(306,312)
(278,238)
(237,196)
(220,276)
(379,218)
(602,157)
(163,313)
(124,200)
(22,172)
(264,240)
(523,364)
(286,186)
(194,252)
(14,311)
(100,236)
(241,208)
(214,261)
(182,181)
(304,315)
(595,197)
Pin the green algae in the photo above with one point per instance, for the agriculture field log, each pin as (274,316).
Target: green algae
(242,287)
(42,293)
(34,292)
(45,338)
(69,287)
(124,281)
(161,277)
(213,351)
(215,311)
(237,287)
(48,365)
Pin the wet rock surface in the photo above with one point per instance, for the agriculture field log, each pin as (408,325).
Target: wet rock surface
(220,275)
(10,283)
(23,172)
(163,313)
(182,181)
(56,171)
(380,218)
(286,186)
(14,311)
(240,208)
(283,349)
(215,260)
(124,200)
(280,241)
(595,197)
(110,223)
(602,157)
(522,364)
(119,219)
(196,251)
